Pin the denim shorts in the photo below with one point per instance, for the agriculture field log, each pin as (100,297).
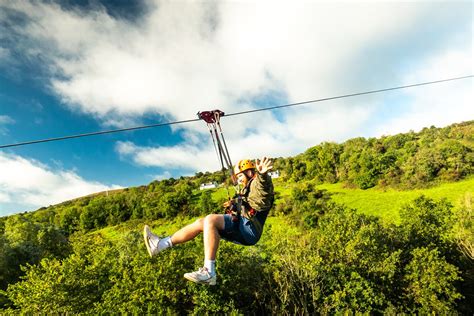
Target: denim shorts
(242,231)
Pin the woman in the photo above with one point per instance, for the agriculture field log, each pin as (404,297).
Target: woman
(244,226)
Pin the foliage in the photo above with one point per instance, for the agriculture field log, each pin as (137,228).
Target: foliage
(87,256)
(430,283)
(353,262)
(426,223)
(25,242)
(308,204)
(207,204)
(464,227)
(463,234)
(346,262)
(405,161)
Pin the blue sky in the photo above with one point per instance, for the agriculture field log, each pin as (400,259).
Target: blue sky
(69,67)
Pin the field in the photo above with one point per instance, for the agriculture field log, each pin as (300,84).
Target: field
(386,203)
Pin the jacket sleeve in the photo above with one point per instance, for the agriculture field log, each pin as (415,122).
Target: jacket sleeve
(261,194)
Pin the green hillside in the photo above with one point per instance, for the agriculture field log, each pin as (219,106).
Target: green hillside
(382,202)
(386,203)
(370,225)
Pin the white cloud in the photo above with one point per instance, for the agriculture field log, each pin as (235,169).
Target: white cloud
(4,198)
(4,54)
(438,105)
(272,139)
(164,175)
(5,120)
(33,184)
(182,57)
(186,157)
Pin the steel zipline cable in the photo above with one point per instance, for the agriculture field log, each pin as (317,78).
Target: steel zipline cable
(230,114)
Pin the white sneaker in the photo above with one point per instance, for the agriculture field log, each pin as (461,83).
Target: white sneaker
(151,241)
(202,276)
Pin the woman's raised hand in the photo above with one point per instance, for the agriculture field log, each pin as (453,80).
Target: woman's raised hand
(263,165)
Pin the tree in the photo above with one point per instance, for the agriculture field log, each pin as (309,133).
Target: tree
(206,203)
(426,223)
(430,282)
(69,286)
(94,215)
(118,210)
(309,204)
(70,219)
(464,227)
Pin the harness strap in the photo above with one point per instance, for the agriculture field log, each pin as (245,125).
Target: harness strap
(214,143)
(230,165)
(250,215)
(248,212)
(212,118)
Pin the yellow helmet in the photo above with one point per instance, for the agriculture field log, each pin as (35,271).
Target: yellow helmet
(243,165)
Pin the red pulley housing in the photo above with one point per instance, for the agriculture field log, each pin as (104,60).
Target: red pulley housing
(210,116)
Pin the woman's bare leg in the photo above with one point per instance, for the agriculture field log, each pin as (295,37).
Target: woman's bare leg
(212,224)
(188,232)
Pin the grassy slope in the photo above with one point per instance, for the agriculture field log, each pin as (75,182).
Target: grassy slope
(382,203)
(386,203)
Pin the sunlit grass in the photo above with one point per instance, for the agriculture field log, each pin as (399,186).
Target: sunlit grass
(382,203)
(387,203)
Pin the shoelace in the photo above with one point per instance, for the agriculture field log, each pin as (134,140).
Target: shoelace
(152,241)
(204,270)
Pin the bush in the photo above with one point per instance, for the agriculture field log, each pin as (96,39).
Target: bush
(430,283)
(347,262)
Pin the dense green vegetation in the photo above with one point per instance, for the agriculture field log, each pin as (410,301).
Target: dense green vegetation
(326,248)
(405,161)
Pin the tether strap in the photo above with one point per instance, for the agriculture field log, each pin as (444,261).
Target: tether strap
(225,146)
(212,118)
(215,146)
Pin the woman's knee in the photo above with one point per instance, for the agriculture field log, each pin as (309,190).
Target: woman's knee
(199,223)
(214,220)
(209,219)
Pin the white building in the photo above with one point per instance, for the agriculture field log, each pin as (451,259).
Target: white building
(209,185)
(274,174)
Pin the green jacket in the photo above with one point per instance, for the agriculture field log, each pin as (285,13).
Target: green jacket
(259,193)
